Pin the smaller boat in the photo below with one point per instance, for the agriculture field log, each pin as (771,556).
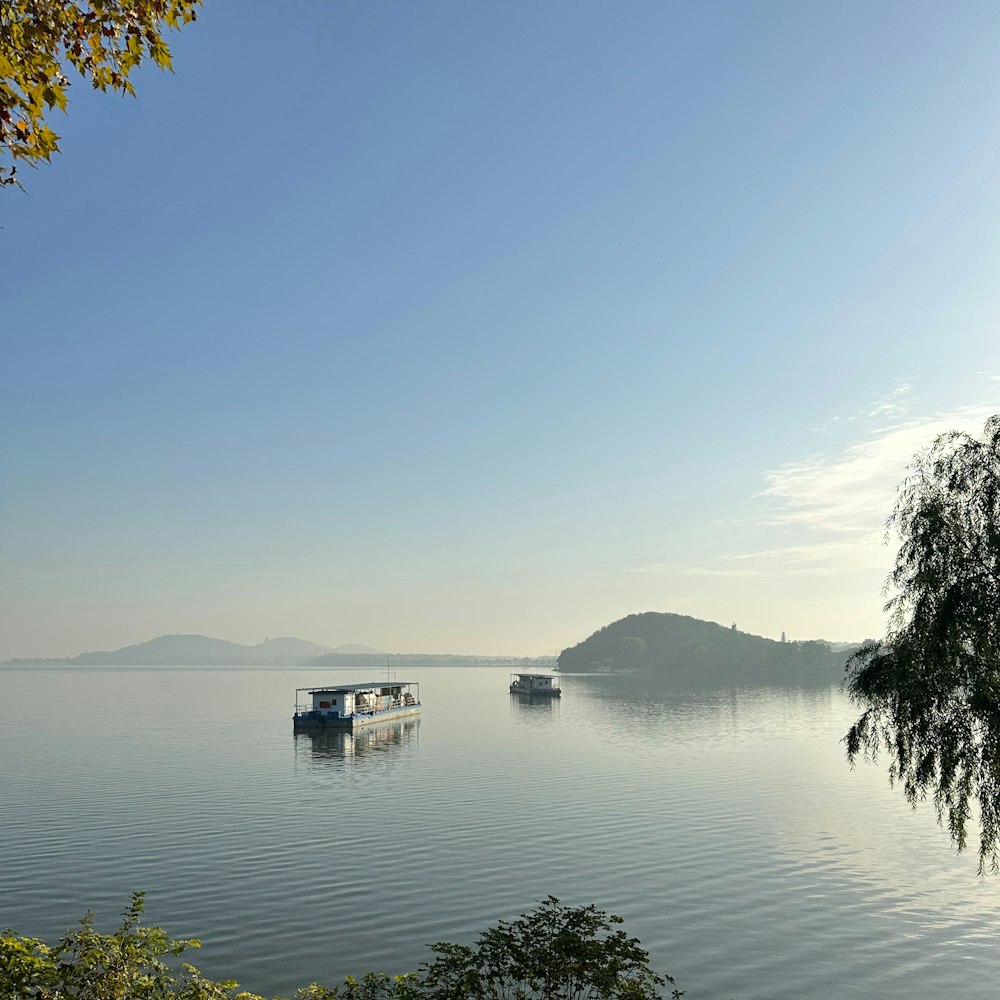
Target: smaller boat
(535,684)
(348,706)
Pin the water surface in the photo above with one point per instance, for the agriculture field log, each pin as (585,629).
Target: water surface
(724,825)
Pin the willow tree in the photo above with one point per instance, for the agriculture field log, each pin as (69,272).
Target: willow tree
(931,688)
(41,40)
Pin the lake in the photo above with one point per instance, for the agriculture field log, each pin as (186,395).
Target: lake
(724,825)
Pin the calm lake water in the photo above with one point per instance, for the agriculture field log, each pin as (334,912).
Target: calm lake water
(723,825)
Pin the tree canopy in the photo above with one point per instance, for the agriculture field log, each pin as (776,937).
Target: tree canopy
(931,688)
(104,40)
(556,951)
(631,652)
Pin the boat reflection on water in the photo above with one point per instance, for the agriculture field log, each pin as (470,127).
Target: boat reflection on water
(534,708)
(340,746)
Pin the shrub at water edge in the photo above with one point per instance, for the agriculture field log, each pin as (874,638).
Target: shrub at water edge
(554,952)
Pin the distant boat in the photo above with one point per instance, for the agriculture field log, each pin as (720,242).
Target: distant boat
(349,706)
(535,684)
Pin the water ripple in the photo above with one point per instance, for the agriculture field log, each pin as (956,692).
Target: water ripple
(724,826)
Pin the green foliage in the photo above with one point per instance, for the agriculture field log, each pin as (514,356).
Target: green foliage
(371,986)
(631,652)
(104,40)
(25,965)
(931,688)
(554,953)
(127,964)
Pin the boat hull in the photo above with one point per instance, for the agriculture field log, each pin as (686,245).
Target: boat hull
(310,720)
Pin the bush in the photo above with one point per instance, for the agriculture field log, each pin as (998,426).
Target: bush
(555,952)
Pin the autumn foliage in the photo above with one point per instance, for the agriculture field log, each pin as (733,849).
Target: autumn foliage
(41,41)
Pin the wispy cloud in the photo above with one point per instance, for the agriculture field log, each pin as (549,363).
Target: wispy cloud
(836,505)
(853,492)
(866,552)
(895,404)
(676,569)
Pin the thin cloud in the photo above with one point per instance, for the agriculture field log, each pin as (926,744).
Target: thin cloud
(837,504)
(842,501)
(675,569)
(853,492)
(864,553)
(895,404)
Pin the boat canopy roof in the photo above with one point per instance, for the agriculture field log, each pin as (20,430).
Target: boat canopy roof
(519,673)
(369,686)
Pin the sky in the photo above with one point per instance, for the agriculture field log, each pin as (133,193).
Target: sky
(471,328)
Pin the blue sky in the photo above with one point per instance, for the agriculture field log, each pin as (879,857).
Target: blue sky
(456,327)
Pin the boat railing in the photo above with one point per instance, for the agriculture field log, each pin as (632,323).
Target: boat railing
(308,712)
(525,689)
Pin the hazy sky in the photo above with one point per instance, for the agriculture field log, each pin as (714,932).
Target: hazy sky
(472,327)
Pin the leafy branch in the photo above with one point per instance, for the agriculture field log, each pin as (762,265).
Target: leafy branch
(103,40)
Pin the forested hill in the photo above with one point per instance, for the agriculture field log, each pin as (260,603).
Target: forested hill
(692,649)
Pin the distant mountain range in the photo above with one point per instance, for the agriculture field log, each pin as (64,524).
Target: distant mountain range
(656,642)
(692,649)
(202,650)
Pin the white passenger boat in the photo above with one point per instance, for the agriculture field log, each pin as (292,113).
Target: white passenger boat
(348,706)
(535,684)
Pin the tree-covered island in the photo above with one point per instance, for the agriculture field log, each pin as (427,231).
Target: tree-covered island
(690,649)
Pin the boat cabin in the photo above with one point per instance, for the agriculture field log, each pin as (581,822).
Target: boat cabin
(347,706)
(543,684)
